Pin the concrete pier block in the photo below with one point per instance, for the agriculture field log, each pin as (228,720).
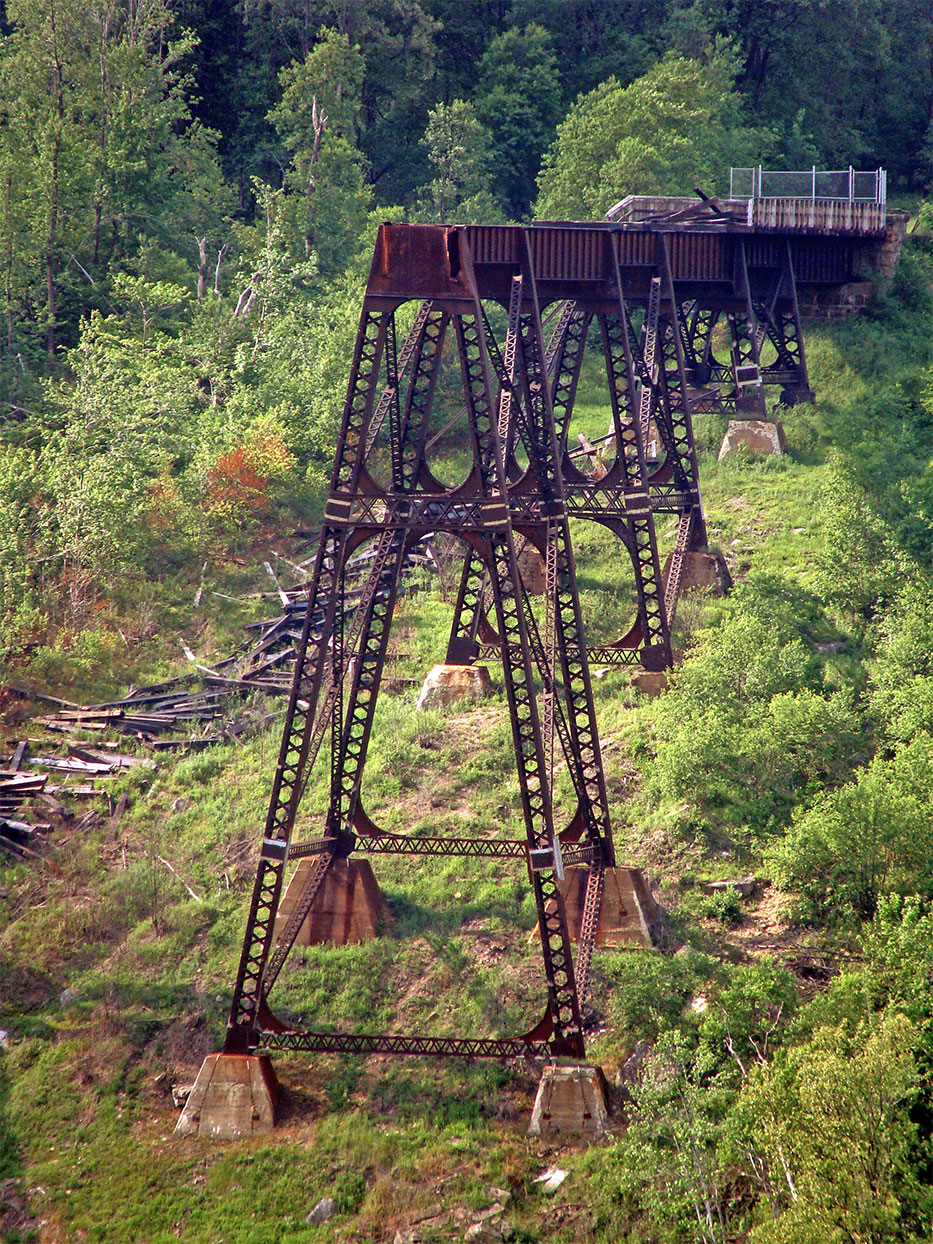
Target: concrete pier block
(348,908)
(571,1101)
(703,571)
(233,1097)
(759,436)
(446,684)
(628,913)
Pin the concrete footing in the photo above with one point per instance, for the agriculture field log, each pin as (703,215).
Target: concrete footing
(628,915)
(571,1101)
(757,436)
(233,1097)
(446,684)
(703,571)
(650,682)
(348,908)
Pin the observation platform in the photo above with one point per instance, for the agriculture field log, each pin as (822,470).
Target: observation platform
(810,201)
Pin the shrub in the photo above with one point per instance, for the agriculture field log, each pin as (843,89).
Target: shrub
(869,837)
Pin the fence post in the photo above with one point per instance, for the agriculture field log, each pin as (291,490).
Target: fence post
(813,182)
(851,184)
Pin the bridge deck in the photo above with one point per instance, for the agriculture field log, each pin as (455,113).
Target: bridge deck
(578,261)
(853,218)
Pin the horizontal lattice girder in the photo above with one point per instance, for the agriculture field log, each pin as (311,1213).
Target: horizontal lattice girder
(450,1047)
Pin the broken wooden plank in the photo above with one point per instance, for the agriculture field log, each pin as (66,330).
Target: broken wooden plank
(74,766)
(40,695)
(113,758)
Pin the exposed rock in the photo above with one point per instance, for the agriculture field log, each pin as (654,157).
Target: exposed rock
(483,1233)
(446,684)
(650,682)
(759,436)
(687,952)
(407,1236)
(325,1208)
(180,1094)
(492,1212)
(551,1179)
(630,1071)
(744,887)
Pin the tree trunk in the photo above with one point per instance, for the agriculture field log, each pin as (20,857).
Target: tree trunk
(220,254)
(318,122)
(50,292)
(202,267)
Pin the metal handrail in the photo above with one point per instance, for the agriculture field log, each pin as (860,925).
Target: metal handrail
(833,185)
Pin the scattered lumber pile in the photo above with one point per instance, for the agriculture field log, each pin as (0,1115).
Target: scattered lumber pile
(16,786)
(205,707)
(77,775)
(190,712)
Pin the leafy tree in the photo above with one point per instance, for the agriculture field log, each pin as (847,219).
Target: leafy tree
(670,130)
(125,424)
(518,101)
(903,120)
(98,130)
(671,1180)
(898,947)
(858,570)
(598,41)
(834,68)
(458,152)
(290,362)
(399,39)
(20,543)
(870,837)
(318,118)
(465,29)
(745,728)
(903,673)
(832,1119)
(748,1019)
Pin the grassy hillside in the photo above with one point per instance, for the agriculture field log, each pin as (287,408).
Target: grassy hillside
(794,744)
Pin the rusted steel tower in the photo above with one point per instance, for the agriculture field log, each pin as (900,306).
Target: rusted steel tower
(518,395)
(648,294)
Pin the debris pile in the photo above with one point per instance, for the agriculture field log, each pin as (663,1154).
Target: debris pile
(187,713)
(196,710)
(16,786)
(49,779)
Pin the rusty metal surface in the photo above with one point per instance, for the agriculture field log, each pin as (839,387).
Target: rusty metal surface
(647,299)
